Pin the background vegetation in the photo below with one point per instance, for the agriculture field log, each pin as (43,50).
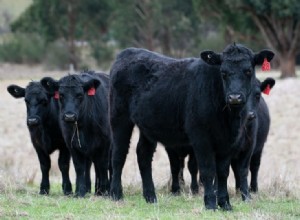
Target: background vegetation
(88,33)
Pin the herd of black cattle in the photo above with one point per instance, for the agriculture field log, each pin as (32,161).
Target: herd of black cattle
(207,108)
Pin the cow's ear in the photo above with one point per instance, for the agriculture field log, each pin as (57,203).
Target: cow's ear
(211,57)
(262,55)
(16,91)
(91,86)
(50,84)
(267,85)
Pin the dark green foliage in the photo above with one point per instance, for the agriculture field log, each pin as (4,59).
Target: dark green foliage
(23,48)
(167,26)
(272,23)
(71,20)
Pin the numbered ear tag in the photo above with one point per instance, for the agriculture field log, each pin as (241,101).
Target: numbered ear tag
(56,95)
(91,91)
(267,90)
(266,66)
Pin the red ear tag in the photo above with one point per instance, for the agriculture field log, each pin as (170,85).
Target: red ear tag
(92,91)
(267,90)
(266,66)
(56,95)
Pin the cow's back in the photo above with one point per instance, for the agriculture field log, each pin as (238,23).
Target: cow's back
(156,90)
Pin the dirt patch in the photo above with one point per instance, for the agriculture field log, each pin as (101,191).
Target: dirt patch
(18,160)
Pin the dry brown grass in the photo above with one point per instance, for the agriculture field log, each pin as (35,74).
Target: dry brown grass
(280,168)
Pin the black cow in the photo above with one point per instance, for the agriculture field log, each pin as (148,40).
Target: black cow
(45,133)
(83,103)
(255,135)
(200,102)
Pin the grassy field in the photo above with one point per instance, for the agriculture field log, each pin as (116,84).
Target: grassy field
(25,203)
(279,176)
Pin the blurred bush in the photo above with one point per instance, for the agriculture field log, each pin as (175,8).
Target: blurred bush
(57,55)
(22,48)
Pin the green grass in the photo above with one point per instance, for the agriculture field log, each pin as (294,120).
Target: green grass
(27,204)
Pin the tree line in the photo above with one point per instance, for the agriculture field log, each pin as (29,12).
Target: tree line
(172,27)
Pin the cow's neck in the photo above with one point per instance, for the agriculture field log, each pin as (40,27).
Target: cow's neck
(236,120)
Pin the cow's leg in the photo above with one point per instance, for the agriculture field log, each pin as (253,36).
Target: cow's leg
(88,181)
(235,169)
(101,168)
(145,150)
(193,168)
(64,166)
(243,167)
(223,165)
(79,161)
(205,156)
(45,164)
(254,167)
(121,131)
(180,175)
(175,166)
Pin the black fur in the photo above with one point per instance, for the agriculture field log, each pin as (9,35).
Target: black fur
(84,123)
(181,102)
(45,133)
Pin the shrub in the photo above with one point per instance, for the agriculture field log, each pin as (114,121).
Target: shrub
(22,48)
(57,56)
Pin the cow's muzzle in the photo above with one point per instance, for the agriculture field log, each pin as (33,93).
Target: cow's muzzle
(70,117)
(251,115)
(235,99)
(33,121)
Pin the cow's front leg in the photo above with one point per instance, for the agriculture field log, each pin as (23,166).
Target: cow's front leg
(223,165)
(205,156)
(79,161)
(45,164)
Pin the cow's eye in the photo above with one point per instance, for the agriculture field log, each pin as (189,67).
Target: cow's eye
(44,102)
(257,96)
(27,101)
(248,72)
(79,96)
(61,96)
(224,75)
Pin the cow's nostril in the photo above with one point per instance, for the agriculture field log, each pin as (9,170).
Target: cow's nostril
(251,116)
(32,121)
(70,117)
(235,99)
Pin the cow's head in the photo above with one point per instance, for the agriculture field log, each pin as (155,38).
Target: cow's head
(73,94)
(237,68)
(255,95)
(37,101)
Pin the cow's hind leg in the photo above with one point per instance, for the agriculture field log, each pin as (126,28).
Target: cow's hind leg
(88,181)
(64,166)
(145,150)
(175,165)
(101,163)
(193,168)
(121,130)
